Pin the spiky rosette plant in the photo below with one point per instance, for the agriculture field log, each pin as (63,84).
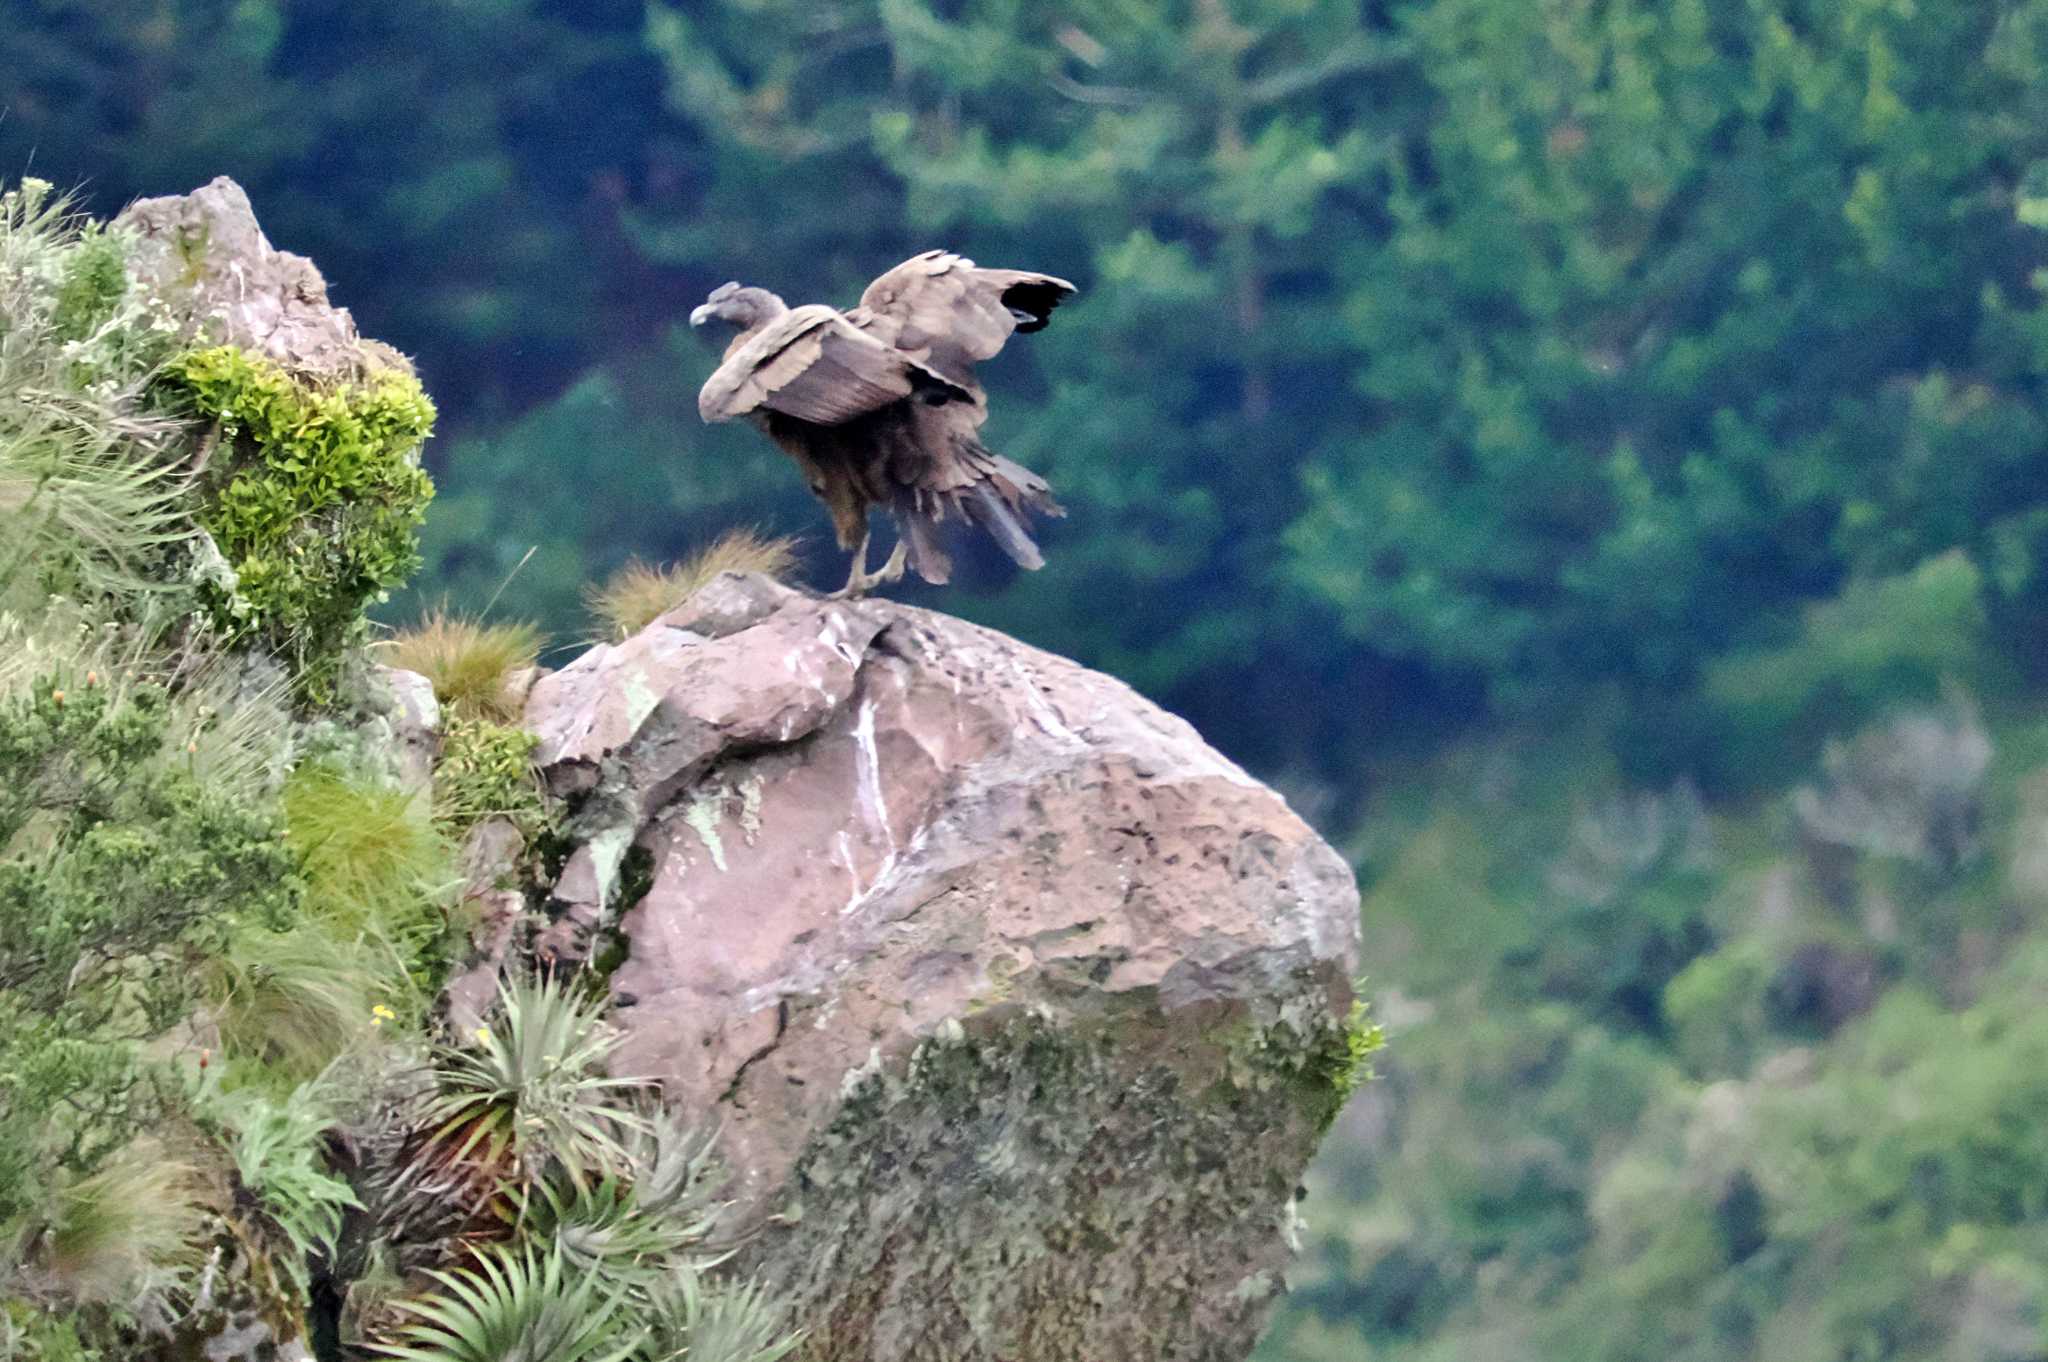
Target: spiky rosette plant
(690,1320)
(534,1082)
(663,1210)
(525,1095)
(517,1306)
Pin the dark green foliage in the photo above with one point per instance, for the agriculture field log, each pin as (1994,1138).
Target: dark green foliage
(315,497)
(1816,1131)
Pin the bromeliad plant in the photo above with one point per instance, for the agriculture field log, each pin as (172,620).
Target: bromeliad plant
(660,1217)
(603,1210)
(530,1089)
(516,1306)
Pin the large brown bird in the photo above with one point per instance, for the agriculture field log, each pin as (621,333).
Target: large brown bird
(879,405)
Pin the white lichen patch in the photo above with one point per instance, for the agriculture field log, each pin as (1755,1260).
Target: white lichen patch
(703,814)
(750,807)
(868,764)
(607,853)
(639,696)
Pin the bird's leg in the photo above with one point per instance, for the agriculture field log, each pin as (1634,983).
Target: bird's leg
(892,571)
(857,581)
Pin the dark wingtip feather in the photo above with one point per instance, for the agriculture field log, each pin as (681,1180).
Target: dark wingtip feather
(1032,301)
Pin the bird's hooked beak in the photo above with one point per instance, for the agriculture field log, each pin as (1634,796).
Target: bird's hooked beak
(705,312)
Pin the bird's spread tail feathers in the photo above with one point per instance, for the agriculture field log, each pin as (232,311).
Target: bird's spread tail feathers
(997,494)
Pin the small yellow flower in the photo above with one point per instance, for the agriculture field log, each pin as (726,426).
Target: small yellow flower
(483,1035)
(376,1021)
(384,1012)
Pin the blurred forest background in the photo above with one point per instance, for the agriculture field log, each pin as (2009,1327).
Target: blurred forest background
(1593,454)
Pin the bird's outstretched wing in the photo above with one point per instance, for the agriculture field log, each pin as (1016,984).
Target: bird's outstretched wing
(949,312)
(815,365)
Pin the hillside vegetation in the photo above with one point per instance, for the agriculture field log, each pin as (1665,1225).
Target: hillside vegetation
(230,1123)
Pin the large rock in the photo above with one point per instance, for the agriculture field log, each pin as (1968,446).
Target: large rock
(1021,1009)
(204,256)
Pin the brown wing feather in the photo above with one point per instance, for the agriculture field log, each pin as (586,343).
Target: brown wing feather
(950,312)
(812,364)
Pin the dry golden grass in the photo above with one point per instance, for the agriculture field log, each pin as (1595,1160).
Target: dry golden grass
(639,594)
(470,663)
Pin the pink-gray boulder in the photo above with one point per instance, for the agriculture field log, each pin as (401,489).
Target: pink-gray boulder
(1020,1008)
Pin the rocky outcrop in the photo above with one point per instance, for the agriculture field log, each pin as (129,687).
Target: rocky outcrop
(1020,1008)
(205,258)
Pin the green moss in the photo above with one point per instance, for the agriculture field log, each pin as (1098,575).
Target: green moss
(314,498)
(487,768)
(1320,1062)
(1343,1063)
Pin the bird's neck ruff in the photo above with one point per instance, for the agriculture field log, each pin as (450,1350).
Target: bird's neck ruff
(762,310)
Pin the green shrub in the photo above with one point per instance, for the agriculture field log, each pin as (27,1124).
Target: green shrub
(486,768)
(314,495)
(122,860)
(95,279)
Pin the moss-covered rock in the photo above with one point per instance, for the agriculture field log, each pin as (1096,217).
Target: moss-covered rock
(957,1207)
(313,493)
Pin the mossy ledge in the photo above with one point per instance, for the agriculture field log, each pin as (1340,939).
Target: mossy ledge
(313,493)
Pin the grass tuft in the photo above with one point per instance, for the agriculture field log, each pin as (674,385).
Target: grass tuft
(374,861)
(293,1001)
(469,663)
(638,594)
(90,503)
(127,1232)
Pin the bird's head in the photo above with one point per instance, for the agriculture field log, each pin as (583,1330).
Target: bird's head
(743,308)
